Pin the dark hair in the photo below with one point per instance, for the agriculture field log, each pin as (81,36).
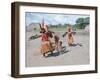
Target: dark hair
(42,30)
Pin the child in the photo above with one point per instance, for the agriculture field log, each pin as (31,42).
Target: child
(58,44)
(60,49)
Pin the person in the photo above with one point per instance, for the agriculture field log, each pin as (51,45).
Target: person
(46,45)
(70,38)
(58,43)
(56,38)
(50,35)
(60,48)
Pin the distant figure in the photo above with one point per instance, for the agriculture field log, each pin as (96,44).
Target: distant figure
(70,35)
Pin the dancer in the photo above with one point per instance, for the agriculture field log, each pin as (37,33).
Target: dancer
(69,34)
(46,45)
(70,38)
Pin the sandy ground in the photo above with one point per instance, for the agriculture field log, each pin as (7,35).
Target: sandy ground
(77,54)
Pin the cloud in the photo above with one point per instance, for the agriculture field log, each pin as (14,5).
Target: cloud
(51,18)
(61,19)
(32,18)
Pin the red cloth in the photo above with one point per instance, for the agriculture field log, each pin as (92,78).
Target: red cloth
(44,37)
(70,34)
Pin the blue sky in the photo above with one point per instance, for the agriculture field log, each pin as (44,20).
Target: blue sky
(31,17)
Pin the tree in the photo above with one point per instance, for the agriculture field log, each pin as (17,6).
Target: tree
(87,20)
(82,22)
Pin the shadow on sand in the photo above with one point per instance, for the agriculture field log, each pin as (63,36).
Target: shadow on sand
(58,53)
(77,44)
(55,54)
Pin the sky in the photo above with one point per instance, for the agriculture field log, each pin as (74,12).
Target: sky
(52,18)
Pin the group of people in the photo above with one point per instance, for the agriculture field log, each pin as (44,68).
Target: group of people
(50,41)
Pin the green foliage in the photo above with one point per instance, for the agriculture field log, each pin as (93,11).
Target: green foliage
(82,22)
(34,36)
(87,20)
(58,26)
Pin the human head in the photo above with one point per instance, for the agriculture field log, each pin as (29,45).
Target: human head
(69,28)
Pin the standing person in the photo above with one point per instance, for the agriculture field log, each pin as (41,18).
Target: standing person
(50,36)
(70,38)
(46,45)
(58,43)
(60,48)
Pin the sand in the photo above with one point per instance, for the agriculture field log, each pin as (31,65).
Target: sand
(74,55)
